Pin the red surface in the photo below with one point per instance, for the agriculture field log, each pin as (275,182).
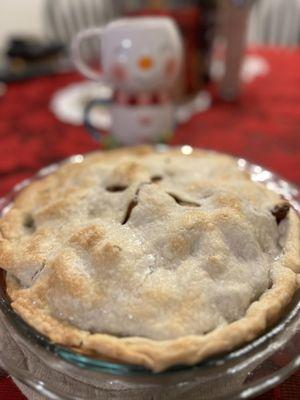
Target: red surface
(8,391)
(264,127)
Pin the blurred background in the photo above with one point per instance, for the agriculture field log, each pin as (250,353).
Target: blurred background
(35,35)
(271,21)
(28,17)
(239,90)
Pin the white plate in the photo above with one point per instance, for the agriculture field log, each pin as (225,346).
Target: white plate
(68,104)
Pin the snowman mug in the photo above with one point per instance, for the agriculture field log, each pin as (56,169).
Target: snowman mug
(141,58)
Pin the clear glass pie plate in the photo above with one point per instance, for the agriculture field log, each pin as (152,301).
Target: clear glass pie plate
(61,373)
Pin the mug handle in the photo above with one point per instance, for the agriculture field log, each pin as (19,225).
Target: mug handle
(81,65)
(96,133)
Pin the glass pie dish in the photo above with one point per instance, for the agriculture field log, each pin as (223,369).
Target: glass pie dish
(61,373)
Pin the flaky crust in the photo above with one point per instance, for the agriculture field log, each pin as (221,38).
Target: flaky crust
(34,267)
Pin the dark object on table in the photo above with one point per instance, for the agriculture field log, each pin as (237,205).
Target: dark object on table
(32,50)
(27,57)
(7,75)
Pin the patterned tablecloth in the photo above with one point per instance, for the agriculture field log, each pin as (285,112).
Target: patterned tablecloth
(263,126)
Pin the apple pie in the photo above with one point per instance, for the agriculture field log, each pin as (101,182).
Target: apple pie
(150,258)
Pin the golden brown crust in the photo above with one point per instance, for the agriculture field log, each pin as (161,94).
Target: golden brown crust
(159,355)
(80,238)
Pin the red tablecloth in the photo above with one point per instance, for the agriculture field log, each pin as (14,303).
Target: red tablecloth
(264,127)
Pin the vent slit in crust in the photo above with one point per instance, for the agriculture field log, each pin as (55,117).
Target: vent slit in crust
(280,211)
(182,202)
(156,178)
(29,223)
(38,272)
(130,207)
(116,188)
(133,203)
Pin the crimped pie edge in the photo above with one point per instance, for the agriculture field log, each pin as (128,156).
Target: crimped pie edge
(159,355)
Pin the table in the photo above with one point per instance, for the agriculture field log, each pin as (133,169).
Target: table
(263,126)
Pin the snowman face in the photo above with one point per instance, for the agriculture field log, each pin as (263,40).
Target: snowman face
(141,54)
(140,124)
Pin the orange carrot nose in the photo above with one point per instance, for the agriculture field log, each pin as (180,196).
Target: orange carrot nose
(145,63)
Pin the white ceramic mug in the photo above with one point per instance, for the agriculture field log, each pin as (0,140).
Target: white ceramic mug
(136,54)
(140,58)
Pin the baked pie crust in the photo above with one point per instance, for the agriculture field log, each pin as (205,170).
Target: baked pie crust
(150,258)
